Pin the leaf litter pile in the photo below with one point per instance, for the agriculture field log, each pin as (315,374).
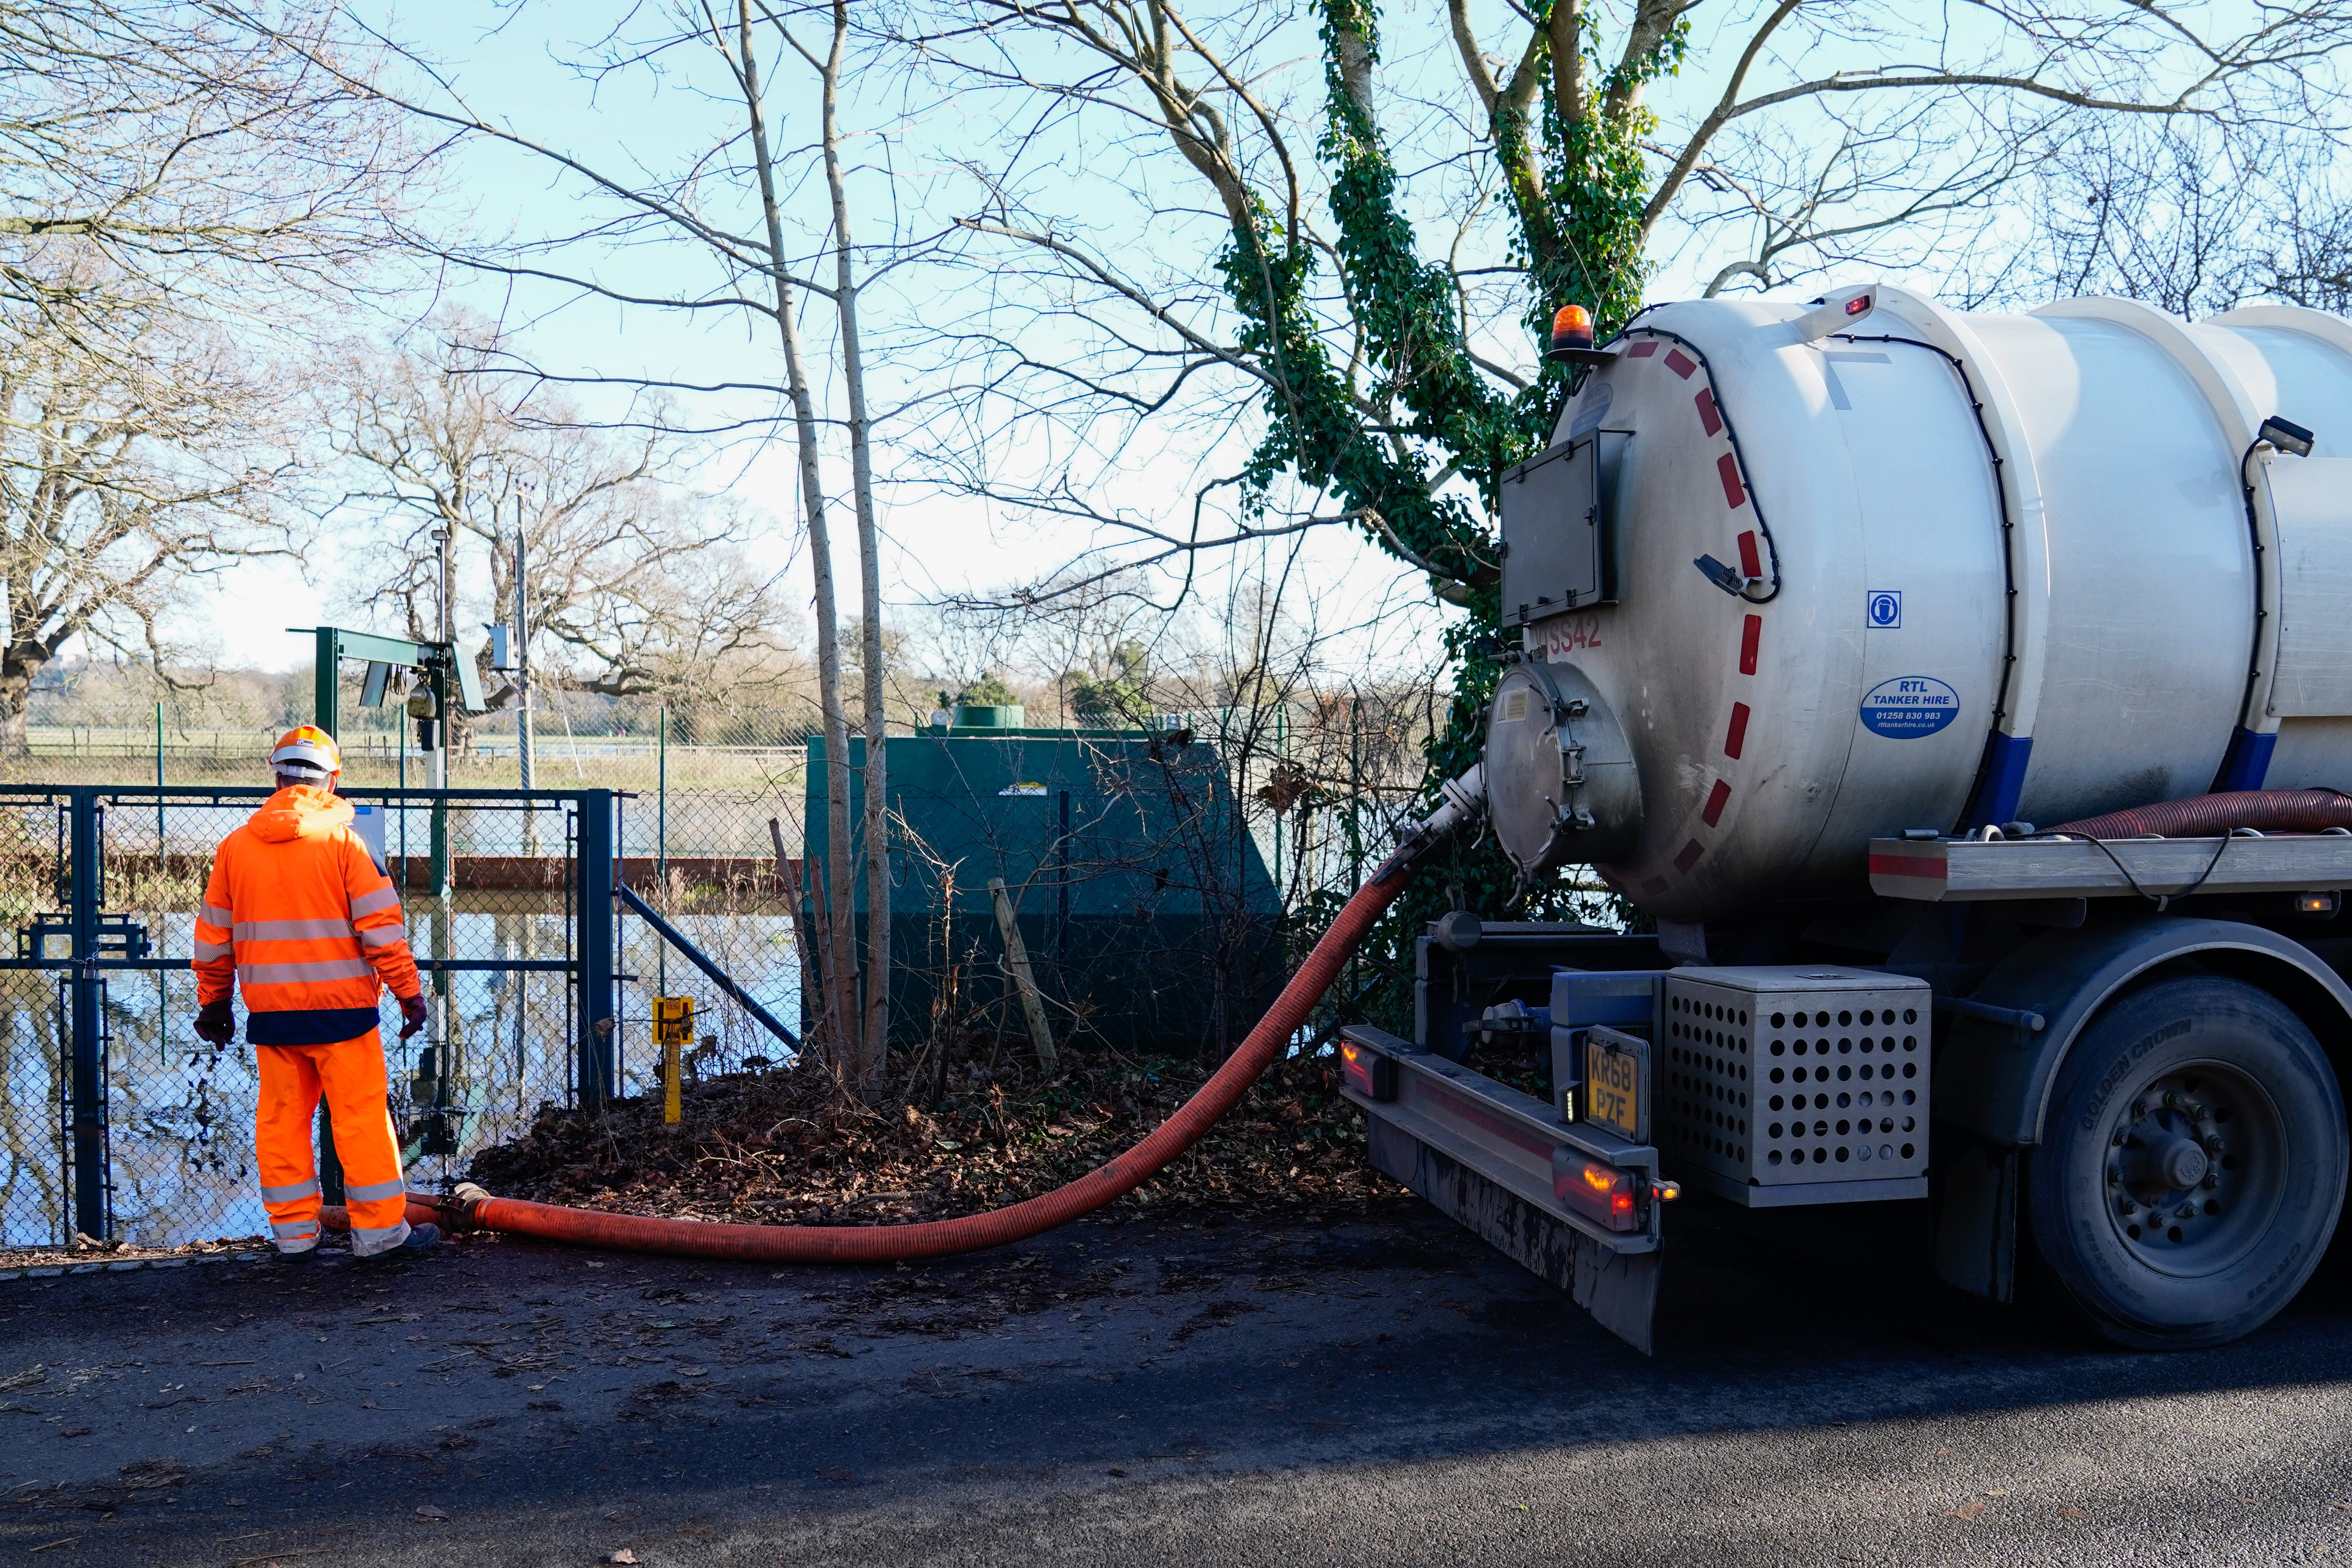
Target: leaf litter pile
(782,1147)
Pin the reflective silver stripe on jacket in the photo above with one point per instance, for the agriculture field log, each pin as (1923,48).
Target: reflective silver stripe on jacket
(376,1190)
(213,915)
(384,937)
(289,1193)
(385,897)
(291,930)
(208,951)
(293,974)
(294,1229)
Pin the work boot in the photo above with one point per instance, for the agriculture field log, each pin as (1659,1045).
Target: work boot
(420,1239)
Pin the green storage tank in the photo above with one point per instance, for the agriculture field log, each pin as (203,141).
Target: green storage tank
(1151,920)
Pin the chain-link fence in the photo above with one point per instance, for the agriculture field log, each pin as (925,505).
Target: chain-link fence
(120,1122)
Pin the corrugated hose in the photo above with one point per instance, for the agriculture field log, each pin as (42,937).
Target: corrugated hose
(470,1206)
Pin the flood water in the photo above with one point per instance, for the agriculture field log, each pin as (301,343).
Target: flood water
(501,1044)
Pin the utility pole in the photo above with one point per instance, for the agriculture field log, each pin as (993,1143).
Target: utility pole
(522,650)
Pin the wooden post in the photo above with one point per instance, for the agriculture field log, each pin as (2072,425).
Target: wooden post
(1016,958)
(808,939)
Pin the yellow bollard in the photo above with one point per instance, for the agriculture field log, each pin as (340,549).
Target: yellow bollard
(672,1028)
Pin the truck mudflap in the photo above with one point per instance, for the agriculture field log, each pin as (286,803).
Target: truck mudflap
(1574,1205)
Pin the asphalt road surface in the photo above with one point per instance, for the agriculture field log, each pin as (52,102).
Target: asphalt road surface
(1383,1389)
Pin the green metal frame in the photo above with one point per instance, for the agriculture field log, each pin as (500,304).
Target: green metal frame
(440,663)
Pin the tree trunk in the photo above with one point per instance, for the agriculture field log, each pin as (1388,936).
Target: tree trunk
(868,1058)
(840,1013)
(17,704)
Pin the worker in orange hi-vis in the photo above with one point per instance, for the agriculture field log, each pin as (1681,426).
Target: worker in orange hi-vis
(299,916)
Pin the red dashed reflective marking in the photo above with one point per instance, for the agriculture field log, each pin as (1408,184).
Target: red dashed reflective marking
(1750,561)
(1643,350)
(1710,420)
(1689,857)
(1717,800)
(1727,467)
(1681,364)
(1737,736)
(1749,635)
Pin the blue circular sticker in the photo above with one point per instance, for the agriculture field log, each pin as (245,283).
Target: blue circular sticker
(1909,707)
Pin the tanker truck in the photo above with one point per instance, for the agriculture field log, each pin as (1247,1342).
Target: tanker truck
(1967,700)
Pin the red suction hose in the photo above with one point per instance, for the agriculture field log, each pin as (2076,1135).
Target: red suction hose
(935,1239)
(2210,815)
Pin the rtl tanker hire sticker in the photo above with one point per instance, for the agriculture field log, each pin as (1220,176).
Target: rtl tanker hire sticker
(1909,707)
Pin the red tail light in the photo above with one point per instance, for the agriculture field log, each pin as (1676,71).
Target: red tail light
(1601,1193)
(1367,1071)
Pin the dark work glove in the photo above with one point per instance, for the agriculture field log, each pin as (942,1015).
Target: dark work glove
(411,1014)
(215,1023)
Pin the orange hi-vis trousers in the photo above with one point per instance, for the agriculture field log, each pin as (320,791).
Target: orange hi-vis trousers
(352,1074)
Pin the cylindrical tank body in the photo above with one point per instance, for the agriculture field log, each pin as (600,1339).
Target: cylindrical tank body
(1875,564)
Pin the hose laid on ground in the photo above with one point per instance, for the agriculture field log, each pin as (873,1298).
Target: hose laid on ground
(420,1211)
(2210,815)
(997,1227)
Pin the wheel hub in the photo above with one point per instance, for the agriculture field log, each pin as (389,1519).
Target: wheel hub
(2183,1163)
(2180,1155)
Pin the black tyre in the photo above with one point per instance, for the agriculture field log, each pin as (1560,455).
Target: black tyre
(2191,1166)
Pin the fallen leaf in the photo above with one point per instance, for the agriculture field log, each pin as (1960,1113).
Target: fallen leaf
(430,1511)
(2003,1492)
(2074,1513)
(1971,1508)
(623,1556)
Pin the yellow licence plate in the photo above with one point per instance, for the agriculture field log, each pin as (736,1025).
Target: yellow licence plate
(1612,1089)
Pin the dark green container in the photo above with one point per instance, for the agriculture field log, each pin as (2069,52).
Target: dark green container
(1150,919)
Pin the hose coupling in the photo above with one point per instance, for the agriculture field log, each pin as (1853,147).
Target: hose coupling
(1460,801)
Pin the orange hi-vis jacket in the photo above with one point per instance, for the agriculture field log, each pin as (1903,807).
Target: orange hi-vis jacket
(298,916)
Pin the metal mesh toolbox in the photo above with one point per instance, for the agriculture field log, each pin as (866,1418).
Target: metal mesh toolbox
(1792,1077)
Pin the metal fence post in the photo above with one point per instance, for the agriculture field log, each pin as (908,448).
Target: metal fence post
(89,1127)
(594,946)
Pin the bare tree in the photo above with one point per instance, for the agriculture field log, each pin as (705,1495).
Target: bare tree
(200,157)
(178,187)
(719,189)
(1316,271)
(121,485)
(639,581)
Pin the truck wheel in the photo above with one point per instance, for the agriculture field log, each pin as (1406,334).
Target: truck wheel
(2191,1166)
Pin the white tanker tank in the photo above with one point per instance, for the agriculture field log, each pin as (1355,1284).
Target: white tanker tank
(1793,578)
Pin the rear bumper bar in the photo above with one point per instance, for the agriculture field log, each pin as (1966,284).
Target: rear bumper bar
(1484,1152)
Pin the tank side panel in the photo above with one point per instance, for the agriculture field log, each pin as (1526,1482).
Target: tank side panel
(1930,618)
(2311,383)
(2151,569)
(2313,753)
